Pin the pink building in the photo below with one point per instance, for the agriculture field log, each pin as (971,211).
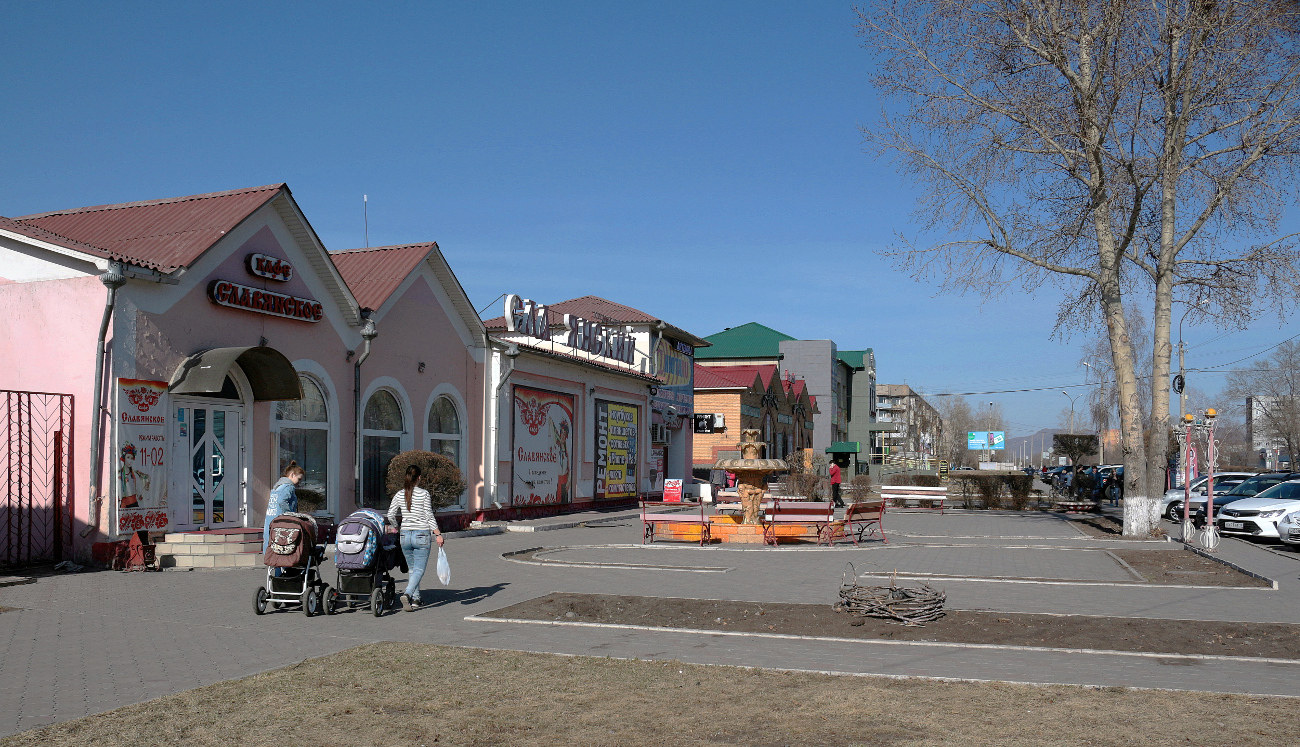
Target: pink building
(232,343)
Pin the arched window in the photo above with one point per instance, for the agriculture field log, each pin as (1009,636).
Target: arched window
(444,430)
(304,437)
(381,440)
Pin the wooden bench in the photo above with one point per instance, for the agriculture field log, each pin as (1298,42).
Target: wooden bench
(904,493)
(651,519)
(862,520)
(820,515)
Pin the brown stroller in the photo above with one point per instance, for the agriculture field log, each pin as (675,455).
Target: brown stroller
(292,562)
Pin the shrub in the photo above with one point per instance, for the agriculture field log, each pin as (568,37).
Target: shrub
(1020,486)
(989,488)
(920,481)
(438,475)
(310,500)
(860,486)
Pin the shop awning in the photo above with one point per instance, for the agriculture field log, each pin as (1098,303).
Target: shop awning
(271,374)
(844,447)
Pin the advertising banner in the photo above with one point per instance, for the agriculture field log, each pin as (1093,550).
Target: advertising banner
(140,455)
(673,491)
(657,463)
(675,364)
(617,426)
(542,447)
(978,440)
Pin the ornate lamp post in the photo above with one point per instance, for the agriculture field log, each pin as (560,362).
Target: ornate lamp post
(1210,534)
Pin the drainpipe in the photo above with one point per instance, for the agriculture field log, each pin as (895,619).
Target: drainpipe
(368,333)
(112,279)
(490,459)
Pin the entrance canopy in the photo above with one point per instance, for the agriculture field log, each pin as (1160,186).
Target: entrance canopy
(844,447)
(271,374)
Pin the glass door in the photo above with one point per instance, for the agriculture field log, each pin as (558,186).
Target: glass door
(209,435)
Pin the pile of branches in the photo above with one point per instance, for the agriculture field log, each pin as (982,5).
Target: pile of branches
(908,605)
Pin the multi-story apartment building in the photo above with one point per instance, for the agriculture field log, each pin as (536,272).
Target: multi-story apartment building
(916,424)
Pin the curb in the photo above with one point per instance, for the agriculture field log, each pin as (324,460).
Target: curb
(1230,564)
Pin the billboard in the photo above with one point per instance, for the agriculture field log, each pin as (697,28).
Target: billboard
(542,447)
(616,435)
(980,440)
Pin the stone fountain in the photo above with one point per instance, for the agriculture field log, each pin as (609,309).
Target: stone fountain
(750,470)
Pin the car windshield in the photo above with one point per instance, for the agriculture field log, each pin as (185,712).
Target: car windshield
(1286,491)
(1254,485)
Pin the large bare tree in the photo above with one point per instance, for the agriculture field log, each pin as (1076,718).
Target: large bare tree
(1269,391)
(1110,149)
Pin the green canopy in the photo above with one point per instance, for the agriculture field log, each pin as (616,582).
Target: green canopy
(844,447)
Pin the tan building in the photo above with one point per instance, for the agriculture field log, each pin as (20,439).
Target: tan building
(917,424)
(752,397)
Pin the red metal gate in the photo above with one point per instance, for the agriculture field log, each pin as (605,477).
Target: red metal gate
(35,477)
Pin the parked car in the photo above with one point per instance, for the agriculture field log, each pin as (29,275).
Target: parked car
(1172,508)
(1259,516)
(1198,508)
(1288,529)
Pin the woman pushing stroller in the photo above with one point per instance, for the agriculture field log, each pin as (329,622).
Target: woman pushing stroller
(283,500)
(412,511)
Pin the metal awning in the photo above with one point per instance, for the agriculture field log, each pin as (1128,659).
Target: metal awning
(844,447)
(271,374)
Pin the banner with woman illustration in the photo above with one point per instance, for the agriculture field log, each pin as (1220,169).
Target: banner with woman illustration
(542,447)
(140,455)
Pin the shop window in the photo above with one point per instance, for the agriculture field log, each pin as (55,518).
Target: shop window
(381,440)
(444,431)
(304,437)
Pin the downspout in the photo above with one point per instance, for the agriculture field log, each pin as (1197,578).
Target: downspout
(491,459)
(112,279)
(368,333)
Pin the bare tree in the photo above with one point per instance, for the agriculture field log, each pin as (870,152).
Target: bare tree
(1270,391)
(958,419)
(1109,148)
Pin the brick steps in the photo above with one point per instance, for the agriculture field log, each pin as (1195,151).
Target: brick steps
(226,548)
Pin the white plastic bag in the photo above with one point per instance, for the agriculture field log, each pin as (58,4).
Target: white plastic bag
(444,570)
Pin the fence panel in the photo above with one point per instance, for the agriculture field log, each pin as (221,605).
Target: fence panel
(35,478)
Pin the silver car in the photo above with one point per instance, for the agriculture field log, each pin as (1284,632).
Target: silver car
(1172,509)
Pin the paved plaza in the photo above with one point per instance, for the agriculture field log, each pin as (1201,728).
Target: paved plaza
(83,643)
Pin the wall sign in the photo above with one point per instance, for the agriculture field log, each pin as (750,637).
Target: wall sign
(140,455)
(542,447)
(235,296)
(271,268)
(704,422)
(617,427)
(673,491)
(529,318)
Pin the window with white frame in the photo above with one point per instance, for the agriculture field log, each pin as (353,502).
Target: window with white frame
(381,440)
(444,431)
(303,426)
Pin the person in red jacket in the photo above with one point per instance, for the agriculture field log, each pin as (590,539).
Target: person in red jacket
(835,485)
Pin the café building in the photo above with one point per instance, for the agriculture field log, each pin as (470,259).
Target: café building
(180,352)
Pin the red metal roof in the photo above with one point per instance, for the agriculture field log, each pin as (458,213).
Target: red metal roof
(161,234)
(374,274)
(737,376)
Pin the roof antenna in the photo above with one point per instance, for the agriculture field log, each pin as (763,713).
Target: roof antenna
(365,211)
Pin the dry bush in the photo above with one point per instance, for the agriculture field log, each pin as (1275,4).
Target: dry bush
(438,475)
(1019,486)
(310,500)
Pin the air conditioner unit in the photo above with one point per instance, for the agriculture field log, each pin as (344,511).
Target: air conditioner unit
(659,434)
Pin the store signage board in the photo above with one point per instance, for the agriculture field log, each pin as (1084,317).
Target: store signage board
(271,268)
(617,428)
(704,422)
(531,319)
(140,455)
(236,296)
(672,491)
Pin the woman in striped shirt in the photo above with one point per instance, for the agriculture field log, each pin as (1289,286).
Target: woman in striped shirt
(412,510)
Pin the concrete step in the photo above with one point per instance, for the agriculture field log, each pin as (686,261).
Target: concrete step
(234,535)
(208,548)
(233,560)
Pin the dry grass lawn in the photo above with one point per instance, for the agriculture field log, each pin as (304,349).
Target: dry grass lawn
(405,694)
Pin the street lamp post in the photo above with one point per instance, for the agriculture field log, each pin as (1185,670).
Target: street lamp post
(1072,401)
(1101,440)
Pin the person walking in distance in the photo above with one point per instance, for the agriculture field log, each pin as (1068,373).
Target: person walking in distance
(412,510)
(835,485)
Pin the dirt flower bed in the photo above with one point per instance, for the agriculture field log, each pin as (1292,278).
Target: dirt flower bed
(404,695)
(1274,640)
(1177,566)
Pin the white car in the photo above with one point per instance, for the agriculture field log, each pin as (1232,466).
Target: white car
(1172,508)
(1288,529)
(1259,516)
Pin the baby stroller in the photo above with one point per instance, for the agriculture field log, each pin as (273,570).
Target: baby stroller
(364,554)
(293,552)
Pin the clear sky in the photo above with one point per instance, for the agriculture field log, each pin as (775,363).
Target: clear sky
(699,161)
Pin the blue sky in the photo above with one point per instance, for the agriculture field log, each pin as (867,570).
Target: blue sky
(699,161)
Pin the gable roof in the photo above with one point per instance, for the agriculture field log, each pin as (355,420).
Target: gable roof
(751,340)
(726,377)
(162,235)
(607,312)
(374,274)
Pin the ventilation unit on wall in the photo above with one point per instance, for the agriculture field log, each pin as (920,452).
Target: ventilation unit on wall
(659,434)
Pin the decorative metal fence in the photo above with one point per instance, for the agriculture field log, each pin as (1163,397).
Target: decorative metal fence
(35,478)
